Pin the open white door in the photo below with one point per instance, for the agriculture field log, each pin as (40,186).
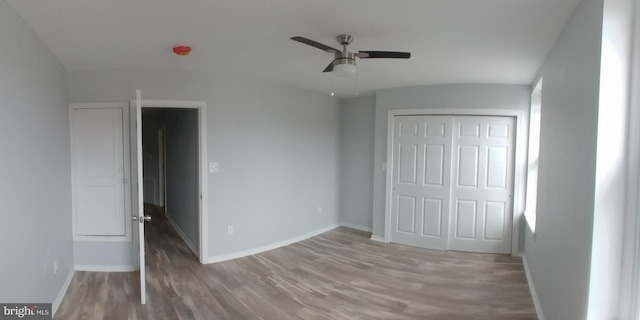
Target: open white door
(138,215)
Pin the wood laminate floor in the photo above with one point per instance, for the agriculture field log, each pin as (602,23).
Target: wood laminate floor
(340,274)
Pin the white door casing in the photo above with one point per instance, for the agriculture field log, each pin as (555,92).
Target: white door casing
(421,180)
(482,184)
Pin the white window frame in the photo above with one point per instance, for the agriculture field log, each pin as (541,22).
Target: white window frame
(533,157)
(630,278)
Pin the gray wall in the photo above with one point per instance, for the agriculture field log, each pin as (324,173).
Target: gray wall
(35,188)
(182,171)
(488,96)
(278,149)
(356,166)
(559,257)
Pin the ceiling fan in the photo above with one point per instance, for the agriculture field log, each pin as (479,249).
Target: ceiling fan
(344,62)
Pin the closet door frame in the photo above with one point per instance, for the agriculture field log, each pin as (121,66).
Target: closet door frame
(519,183)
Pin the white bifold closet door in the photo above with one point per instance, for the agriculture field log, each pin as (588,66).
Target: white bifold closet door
(452,182)
(421,181)
(482,188)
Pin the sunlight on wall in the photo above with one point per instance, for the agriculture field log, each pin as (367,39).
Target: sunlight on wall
(610,184)
(612,113)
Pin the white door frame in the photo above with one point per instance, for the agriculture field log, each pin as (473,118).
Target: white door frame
(519,183)
(202,177)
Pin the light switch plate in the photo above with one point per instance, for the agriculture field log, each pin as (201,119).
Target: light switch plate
(214,167)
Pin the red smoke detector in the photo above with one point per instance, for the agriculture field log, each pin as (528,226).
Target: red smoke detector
(182,50)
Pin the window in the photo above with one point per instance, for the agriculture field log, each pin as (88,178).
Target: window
(534,153)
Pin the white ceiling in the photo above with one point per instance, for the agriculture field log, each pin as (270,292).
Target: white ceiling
(451,41)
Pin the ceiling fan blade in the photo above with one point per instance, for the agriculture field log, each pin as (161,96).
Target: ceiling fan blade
(329,68)
(383,54)
(315,44)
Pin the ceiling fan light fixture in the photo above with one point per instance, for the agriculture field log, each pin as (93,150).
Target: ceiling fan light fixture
(344,70)
(344,62)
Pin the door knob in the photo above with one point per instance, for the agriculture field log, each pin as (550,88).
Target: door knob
(142,219)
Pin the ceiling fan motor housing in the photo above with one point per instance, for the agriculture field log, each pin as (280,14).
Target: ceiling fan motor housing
(345,58)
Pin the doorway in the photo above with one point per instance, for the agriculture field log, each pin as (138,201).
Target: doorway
(173,157)
(170,152)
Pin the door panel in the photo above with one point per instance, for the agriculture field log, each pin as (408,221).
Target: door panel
(466,213)
(497,166)
(494,220)
(99,171)
(468,166)
(434,165)
(408,129)
(469,130)
(406,214)
(498,131)
(484,170)
(421,181)
(408,164)
(432,221)
(438,129)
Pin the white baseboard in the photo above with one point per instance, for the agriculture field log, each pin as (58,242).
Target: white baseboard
(272,246)
(104,268)
(63,291)
(377,238)
(534,295)
(182,235)
(355,226)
